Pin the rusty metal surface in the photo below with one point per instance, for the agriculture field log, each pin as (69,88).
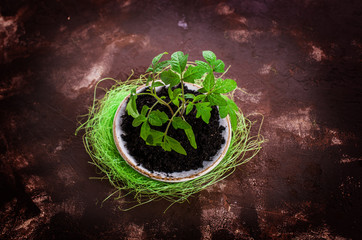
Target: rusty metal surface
(299,61)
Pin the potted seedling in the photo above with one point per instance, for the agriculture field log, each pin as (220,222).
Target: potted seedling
(172,129)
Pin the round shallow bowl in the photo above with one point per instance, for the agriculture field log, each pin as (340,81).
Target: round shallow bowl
(162,176)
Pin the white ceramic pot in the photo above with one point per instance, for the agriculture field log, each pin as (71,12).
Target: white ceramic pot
(162,176)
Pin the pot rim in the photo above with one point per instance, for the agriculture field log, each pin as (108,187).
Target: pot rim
(162,176)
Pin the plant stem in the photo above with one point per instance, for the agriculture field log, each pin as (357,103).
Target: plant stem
(183,95)
(170,121)
(225,72)
(153,80)
(159,100)
(150,110)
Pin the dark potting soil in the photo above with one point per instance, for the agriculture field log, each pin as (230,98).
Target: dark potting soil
(208,138)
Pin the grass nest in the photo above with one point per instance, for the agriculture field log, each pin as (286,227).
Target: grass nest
(99,144)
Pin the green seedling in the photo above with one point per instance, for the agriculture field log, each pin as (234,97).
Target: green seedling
(173,74)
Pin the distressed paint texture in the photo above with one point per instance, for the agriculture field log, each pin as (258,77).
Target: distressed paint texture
(298,62)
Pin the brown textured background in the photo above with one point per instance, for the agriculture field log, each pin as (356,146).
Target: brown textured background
(299,61)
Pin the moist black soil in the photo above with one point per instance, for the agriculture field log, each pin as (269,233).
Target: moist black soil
(208,138)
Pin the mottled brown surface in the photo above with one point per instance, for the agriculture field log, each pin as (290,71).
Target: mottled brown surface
(299,61)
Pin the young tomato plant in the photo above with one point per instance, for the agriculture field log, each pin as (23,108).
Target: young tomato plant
(173,74)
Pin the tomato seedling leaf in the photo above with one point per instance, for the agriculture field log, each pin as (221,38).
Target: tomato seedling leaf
(169,77)
(156,59)
(144,110)
(189,108)
(145,130)
(178,61)
(175,145)
(178,122)
(209,82)
(210,57)
(216,99)
(219,66)
(132,107)
(204,111)
(154,119)
(192,73)
(225,86)
(201,64)
(161,66)
(191,137)
(155,137)
(138,120)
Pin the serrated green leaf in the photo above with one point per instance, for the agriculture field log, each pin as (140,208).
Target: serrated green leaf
(209,56)
(132,107)
(202,90)
(133,91)
(160,66)
(176,101)
(149,69)
(178,61)
(154,119)
(192,73)
(204,111)
(170,92)
(157,118)
(230,106)
(206,67)
(145,130)
(216,99)
(144,110)
(178,122)
(156,59)
(230,109)
(233,120)
(169,77)
(219,82)
(191,137)
(157,84)
(225,97)
(138,120)
(189,95)
(199,98)
(166,146)
(161,115)
(233,105)
(225,86)
(177,92)
(155,137)
(189,108)
(174,95)
(175,145)
(149,79)
(223,111)
(219,66)
(209,81)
